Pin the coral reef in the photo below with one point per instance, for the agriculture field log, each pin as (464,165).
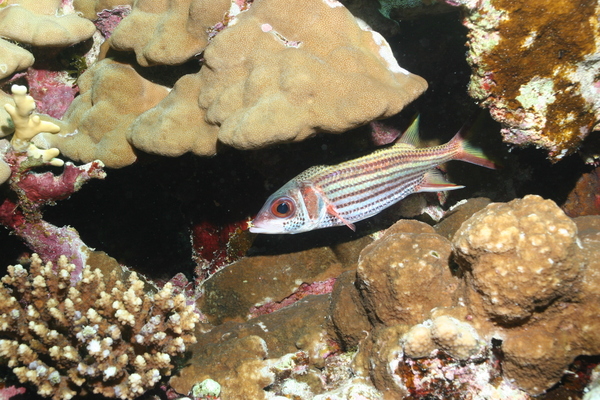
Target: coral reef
(520,257)
(456,338)
(496,301)
(223,300)
(105,107)
(381,273)
(30,191)
(310,54)
(539,78)
(524,284)
(91,8)
(261,346)
(168,32)
(584,199)
(26,125)
(14,58)
(43,23)
(110,335)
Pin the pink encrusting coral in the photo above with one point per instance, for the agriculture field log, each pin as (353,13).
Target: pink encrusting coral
(53,91)
(29,191)
(314,288)
(108,20)
(23,214)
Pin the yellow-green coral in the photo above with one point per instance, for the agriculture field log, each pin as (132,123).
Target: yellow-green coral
(26,125)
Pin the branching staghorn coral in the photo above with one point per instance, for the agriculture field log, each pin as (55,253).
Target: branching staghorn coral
(105,335)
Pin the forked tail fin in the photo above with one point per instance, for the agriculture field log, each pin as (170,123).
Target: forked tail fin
(465,151)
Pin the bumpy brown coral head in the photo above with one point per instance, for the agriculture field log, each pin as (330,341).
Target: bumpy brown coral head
(520,256)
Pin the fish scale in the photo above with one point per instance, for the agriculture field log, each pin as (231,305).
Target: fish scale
(355,192)
(324,196)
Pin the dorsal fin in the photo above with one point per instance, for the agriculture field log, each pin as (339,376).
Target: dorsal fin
(411,135)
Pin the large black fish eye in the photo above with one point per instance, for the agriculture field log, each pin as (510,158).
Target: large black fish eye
(283,207)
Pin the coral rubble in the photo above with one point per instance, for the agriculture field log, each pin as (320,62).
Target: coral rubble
(110,335)
(535,66)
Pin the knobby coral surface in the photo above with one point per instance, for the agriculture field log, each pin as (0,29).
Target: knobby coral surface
(112,94)
(43,23)
(535,66)
(112,335)
(14,58)
(274,72)
(525,282)
(168,31)
(37,23)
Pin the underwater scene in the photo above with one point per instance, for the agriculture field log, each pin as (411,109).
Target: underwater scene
(300,199)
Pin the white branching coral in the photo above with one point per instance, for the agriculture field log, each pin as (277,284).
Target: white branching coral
(104,335)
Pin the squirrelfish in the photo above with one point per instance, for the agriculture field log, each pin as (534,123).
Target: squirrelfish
(342,194)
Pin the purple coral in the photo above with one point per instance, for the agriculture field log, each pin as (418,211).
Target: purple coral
(108,20)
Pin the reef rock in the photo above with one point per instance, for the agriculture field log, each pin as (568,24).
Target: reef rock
(248,359)
(535,66)
(257,285)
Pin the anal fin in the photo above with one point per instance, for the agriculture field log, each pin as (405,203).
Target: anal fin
(434,181)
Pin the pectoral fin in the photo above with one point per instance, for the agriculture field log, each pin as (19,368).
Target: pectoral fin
(331,210)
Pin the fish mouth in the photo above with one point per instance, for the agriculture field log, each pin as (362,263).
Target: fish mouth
(256,229)
(266,229)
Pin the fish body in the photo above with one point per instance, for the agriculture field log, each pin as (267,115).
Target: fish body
(342,194)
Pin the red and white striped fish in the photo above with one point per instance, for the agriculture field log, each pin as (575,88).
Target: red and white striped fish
(324,196)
